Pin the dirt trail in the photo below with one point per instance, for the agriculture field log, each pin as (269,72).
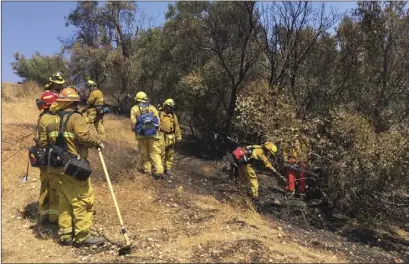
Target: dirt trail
(186,220)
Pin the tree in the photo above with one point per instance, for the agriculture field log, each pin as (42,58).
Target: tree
(39,68)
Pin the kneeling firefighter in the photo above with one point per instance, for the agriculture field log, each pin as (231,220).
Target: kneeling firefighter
(95,108)
(68,139)
(48,201)
(145,123)
(244,156)
(170,130)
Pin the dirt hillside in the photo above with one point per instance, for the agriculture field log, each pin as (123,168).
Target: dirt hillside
(186,220)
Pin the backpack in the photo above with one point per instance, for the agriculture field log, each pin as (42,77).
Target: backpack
(242,155)
(146,124)
(58,155)
(37,156)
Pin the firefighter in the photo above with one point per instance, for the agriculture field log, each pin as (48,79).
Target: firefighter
(76,198)
(170,130)
(48,201)
(245,169)
(145,123)
(94,108)
(295,153)
(55,84)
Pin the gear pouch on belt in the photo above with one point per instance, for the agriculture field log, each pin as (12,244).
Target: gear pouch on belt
(169,139)
(100,109)
(37,156)
(78,168)
(57,156)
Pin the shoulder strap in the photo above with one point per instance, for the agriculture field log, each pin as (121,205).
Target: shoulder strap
(62,127)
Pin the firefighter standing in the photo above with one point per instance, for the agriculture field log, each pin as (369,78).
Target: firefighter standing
(76,198)
(295,153)
(246,171)
(48,201)
(94,108)
(145,117)
(170,130)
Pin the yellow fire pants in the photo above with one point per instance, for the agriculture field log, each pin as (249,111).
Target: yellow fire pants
(97,121)
(166,154)
(76,202)
(248,175)
(48,201)
(149,149)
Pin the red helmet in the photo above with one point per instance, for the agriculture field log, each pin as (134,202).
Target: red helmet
(46,100)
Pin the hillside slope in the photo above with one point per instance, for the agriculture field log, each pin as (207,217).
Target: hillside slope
(185,220)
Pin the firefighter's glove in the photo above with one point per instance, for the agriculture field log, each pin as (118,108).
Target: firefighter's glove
(178,140)
(101,146)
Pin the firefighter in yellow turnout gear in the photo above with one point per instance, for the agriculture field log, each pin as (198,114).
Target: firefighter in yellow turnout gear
(246,171)
(170,130)
(145,123)
(48,201)
(94,108)
(55,83)
(76,198)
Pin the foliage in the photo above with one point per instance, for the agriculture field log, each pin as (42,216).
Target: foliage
(38,68)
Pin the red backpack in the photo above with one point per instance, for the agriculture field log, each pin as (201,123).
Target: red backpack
(242,155)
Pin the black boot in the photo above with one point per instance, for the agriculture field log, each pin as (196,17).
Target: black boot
(91,241)
(157,176)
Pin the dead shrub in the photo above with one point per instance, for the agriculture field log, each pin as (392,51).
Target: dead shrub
(363,168)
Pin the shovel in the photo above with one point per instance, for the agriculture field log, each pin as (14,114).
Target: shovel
(127,248)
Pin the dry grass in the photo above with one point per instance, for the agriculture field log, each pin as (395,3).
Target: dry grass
(167,222)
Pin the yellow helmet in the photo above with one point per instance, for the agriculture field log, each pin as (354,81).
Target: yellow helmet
(91,83)
(169,102)
(270,147)
(57,78)
(141,97)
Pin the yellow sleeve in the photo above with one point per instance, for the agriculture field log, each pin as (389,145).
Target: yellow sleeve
(260,155)
(134,115)
(42,133)
(92,97)
(99,100)
(83,132)
(177,129)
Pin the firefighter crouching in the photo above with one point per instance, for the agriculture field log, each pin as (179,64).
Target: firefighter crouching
(170,130)
(69,137)
(244,156)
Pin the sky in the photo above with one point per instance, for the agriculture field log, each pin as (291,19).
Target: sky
(27,27)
